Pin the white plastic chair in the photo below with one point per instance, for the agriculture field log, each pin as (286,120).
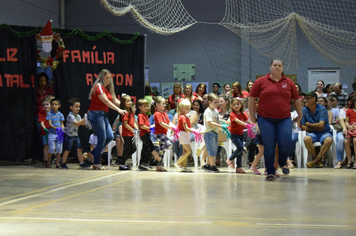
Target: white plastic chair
(299,148)
(331,151)
(137,155)
(110,146)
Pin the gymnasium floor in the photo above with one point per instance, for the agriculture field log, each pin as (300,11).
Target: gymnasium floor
(38,201)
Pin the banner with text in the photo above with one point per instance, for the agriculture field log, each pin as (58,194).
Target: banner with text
(17,95)
(83,60)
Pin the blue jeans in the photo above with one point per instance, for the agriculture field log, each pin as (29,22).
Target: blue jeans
(275,131)
(211,143)
(103,131)
(340,146)
(239,143)
(71,140)
(293,144)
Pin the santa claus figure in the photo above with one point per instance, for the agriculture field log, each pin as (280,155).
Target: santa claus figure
(47,37)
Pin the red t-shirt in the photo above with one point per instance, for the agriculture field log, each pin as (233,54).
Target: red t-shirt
(40,97)
(131,122)
(274,96)
(236,128)
(160,117)
(42,117)
(171,100)
(352,116)
(143,120)
(96,104)
(183,119)
(244,94)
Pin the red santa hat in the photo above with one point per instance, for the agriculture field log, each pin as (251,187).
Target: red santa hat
(47,37)
(47,30)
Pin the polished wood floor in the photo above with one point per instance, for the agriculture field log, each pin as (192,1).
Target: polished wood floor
(39,201)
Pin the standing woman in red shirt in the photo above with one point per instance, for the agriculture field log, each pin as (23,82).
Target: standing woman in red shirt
(177,92)
(102,97)
(275,91)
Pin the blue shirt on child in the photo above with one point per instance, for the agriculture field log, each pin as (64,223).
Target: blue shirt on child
(56,119)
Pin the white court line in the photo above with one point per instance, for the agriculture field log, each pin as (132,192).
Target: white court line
(111,221)
(58,189)
(304,225)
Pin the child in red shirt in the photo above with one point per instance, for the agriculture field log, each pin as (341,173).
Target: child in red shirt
(128,127)
(46,107)
(238,122)
(148,148)
(162,124)
(184,128)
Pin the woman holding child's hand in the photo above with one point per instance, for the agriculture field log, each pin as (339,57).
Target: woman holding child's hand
(102,97)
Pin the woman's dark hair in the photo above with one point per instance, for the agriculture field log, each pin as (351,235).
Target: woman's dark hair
(148,89)
(42,74)
(327,86)
(201,108)
(196,89)
(325,100)
(247,88)
(123,106)
(300,89)
(323,85)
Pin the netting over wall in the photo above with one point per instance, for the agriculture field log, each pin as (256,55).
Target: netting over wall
(270,26)
(160,16)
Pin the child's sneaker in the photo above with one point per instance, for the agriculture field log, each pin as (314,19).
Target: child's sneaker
(270,177)
(124,167)
(285,170)
(213,169)
(84,165)
(142,168)
(185,169)
(206,167)
(145,165)
(178,166)
(63,166)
